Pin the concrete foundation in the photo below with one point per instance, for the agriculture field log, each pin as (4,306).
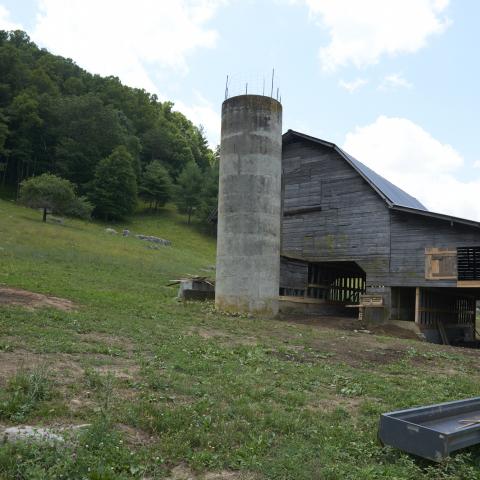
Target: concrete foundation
(249,204)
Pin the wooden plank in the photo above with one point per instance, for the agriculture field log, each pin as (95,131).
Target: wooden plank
(443,333)
(442,251)
(417,306)
(285,298)
(468,284)
(302,210)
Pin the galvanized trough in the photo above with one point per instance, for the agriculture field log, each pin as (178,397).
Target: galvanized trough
(435,431)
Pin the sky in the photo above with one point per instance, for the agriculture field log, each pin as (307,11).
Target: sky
(394,82)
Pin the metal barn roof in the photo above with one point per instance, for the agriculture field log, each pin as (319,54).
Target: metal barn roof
(395,197)
(392,194)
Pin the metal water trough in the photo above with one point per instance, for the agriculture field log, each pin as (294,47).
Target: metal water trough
(435,431)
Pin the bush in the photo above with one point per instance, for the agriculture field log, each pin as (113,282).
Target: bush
(80,208)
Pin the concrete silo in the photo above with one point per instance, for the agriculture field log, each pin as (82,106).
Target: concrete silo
(248,240)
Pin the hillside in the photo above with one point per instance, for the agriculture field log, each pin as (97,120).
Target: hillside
(57,118)
(173,390)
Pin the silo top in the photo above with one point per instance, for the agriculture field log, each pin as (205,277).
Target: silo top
(254,102)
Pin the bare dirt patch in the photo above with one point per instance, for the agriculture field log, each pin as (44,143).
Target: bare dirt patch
(360,350)
(350,324)
(345,341)
(135,436)
(207,333)
(182,472)
(64,366)
(121,343)
(222,337)
(32,300)
(329,405)
(355,350)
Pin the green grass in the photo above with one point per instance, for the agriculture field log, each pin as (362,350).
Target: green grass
(164,383)
(23,392)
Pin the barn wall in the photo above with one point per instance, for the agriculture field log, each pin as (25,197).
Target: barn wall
(293,276)
(411,234)
(353,224)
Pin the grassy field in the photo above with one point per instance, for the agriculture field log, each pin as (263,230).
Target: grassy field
(174,390)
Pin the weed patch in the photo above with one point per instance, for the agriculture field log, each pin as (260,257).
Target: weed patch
(24,393)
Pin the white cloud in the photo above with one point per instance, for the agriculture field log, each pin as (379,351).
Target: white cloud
(361,32)
(6,22)
(476,164)
(407,155)
(202,113)
(394,81)
(128,39)
(354,85)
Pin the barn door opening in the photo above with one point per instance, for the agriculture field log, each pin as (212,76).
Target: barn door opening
(340,282)
(403,303)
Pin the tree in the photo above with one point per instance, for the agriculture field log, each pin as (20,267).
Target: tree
(3,150)
(209,194)
(53,194)
(156,185)
(189,189)
(114,187)
(55,117)
(80,208)
(87,132)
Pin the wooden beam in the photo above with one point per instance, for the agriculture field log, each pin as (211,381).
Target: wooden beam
(301,299)
(301,210)
(417,305)
(468,284)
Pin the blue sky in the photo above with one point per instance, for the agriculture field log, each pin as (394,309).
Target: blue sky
(395,82)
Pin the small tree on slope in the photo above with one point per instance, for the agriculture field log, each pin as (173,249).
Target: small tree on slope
(53,194)
(114,187)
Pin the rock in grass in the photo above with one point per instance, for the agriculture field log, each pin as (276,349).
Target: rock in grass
(18,434)
(111,231)
(151,238)
(57,220)
(36,434)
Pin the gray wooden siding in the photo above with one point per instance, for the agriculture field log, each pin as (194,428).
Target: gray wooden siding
(411,234)
(354,222)
(293,274)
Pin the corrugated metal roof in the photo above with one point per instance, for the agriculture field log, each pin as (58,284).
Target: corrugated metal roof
(396,195)
(392,194)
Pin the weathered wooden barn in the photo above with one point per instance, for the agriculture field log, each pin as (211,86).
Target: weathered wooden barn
(353,240)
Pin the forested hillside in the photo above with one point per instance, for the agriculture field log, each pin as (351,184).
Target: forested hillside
(55,117)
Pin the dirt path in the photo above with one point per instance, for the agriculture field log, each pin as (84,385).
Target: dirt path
(31,300)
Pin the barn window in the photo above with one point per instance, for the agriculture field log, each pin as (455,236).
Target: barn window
(440,264)
(468,263)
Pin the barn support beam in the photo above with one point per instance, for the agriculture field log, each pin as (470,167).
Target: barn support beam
(417,305)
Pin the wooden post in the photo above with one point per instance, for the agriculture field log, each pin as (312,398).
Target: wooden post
(417,305)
